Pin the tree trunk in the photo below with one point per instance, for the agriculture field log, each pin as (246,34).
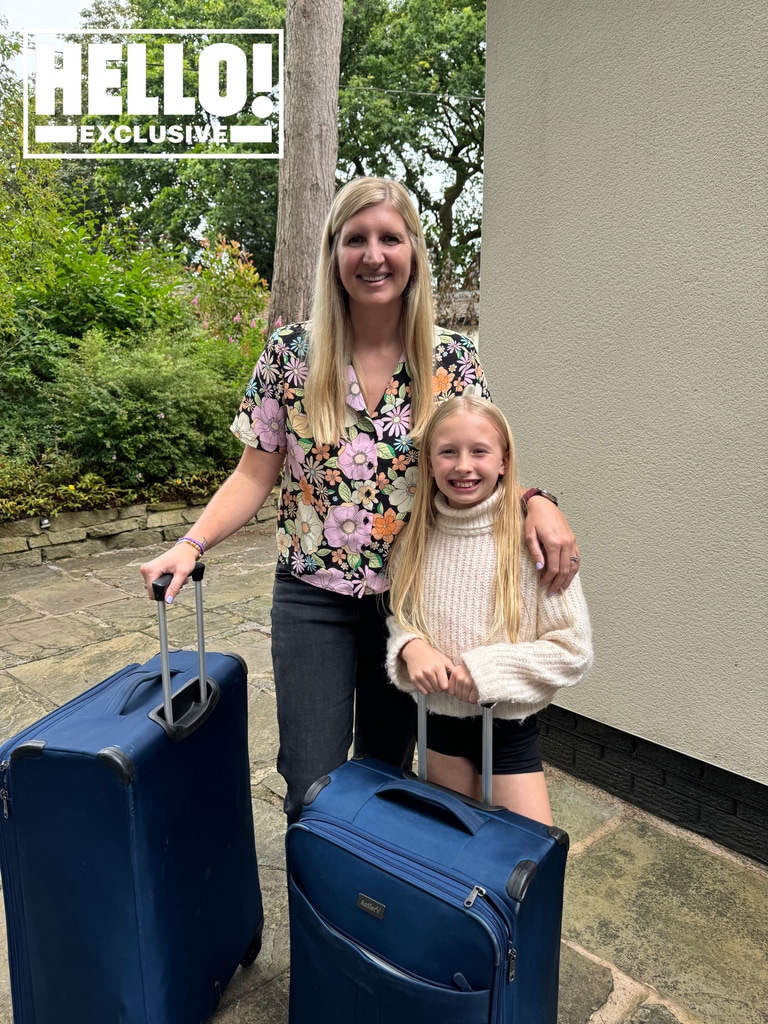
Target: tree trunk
(308,168)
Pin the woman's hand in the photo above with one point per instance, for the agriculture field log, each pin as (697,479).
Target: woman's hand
(428,669)
(552,544)
(179,561)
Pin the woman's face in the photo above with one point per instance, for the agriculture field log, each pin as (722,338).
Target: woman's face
(374,256)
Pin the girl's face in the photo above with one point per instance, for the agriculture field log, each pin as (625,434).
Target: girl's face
(466,459)
(374,256)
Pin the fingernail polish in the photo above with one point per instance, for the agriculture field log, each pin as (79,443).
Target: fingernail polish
(539,566)
(169,599)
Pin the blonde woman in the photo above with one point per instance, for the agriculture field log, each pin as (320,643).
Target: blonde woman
(470,622)
(338,405)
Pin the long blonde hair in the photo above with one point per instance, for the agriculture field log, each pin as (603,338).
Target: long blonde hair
(330,329)
(408,556)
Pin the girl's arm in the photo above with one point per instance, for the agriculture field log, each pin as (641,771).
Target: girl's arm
(413,664)
(529,673)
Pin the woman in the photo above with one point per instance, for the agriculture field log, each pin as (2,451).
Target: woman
(339,404)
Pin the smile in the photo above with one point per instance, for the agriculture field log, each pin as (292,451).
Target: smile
(373,278)
(464,485)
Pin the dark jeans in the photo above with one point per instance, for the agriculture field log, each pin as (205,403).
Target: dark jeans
(328,654)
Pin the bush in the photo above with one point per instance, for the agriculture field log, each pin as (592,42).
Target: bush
(229,298)
(148,413)
(104,277)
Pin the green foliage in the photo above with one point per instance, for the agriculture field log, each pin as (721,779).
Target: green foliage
(46,488)
(30,202)
(104,276)
(230,299)
(120,367)
(179,200)
(411,107)
(148,413)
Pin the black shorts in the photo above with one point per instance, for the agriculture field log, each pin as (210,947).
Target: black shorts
(515,744)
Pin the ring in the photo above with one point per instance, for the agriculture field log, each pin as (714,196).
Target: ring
(575,558)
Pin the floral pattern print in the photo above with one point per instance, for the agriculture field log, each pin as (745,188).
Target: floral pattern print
(342,506)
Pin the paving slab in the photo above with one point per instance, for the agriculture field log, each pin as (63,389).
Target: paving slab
(54,634)
(664,910)
(64,592)
(59,679)
(13,610)
(19,707)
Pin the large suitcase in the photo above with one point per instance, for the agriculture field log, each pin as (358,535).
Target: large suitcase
(412,905)
(127,848)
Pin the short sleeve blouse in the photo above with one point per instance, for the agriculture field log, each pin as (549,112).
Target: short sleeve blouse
(341,506)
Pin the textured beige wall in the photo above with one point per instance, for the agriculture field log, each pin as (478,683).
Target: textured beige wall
(623,326)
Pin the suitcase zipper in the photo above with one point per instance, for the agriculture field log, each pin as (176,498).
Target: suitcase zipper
(478,890)
(4,794)
(491,915)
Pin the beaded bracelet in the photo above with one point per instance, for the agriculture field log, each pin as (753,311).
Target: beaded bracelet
(195,544)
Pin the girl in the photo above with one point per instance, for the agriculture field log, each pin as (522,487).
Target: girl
(336,405)
(470,622)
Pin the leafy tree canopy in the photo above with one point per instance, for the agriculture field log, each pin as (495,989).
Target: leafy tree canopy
(410,107)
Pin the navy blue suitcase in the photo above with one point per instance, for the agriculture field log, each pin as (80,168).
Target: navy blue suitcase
(127,848)
(412,905)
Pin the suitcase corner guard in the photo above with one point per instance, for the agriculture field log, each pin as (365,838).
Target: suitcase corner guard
(119,761)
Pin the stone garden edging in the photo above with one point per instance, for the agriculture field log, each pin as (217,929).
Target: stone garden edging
(30,542)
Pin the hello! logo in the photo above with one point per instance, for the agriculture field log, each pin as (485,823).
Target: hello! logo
(153,94)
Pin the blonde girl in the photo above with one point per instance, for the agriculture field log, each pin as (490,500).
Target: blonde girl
(470,623)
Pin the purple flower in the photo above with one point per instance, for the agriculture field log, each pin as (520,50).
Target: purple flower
(349,527)
(268,422)
(296,371)
(294,455)
(354,392)
(357,459)
(332,579)
(396,419)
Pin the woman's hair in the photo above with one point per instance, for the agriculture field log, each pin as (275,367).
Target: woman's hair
(408,557)
(330,329)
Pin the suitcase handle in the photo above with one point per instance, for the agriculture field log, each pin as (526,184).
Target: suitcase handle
(159,587)
(121,700)
(444,800)
(487,756)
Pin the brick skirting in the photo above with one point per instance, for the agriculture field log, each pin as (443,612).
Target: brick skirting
(697,796)
(29,542)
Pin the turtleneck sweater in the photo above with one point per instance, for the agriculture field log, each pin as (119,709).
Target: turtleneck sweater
(554,648)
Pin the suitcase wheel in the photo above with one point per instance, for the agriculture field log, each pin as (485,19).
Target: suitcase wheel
(254,949)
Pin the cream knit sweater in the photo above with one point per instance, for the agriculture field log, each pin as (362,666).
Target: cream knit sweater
(555,642)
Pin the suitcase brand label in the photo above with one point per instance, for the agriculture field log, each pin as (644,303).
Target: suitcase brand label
(370,906)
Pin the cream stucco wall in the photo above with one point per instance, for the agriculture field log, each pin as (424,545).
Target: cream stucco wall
(623,326)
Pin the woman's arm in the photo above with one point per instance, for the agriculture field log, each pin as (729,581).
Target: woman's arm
(551,543)
(234,504)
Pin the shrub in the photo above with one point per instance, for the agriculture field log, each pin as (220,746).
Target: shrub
(149,413)
(229,298)
(104,277)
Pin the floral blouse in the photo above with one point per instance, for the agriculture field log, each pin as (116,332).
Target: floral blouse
(341,506)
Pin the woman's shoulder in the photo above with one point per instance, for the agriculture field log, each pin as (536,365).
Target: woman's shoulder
(452,339)
(287,331)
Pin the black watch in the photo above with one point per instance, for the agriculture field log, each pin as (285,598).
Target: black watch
(532,492)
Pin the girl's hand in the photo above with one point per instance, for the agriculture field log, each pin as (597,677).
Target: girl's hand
(428,669)
(462,685)
(551,543)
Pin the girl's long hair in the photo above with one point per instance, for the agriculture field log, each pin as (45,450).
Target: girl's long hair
(408,556)
(330,329)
